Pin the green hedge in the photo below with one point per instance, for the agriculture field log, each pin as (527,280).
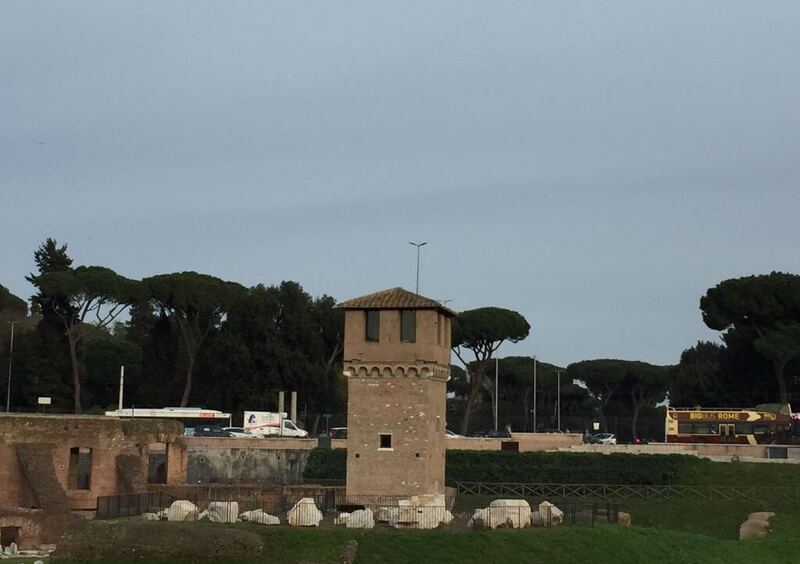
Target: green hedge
(326,464)
(564,468)
(533,467)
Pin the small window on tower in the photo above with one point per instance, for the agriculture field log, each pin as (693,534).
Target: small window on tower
(385,440)
(408,326)
(372,325)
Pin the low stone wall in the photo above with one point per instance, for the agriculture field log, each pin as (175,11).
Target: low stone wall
(473,443)
(209,460)
(713,451)
(526,442)
(532,442)
(267,443)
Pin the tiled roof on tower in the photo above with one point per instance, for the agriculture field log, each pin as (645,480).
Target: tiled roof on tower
(394,298)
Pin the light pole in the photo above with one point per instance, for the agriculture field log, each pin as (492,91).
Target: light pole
(10,355)
(534,394)
(418,246)
(496,390)
(558,399)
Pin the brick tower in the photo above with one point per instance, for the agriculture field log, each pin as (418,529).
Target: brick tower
(397,363)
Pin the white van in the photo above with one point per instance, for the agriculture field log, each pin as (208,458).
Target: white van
(270,424)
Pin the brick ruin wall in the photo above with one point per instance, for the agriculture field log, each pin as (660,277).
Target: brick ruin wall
(35,458)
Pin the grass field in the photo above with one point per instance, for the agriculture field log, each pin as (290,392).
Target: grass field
(599,544)
(672,531)
(663,532)
(757,474)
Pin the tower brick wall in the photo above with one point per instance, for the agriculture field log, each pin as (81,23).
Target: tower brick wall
(396,395)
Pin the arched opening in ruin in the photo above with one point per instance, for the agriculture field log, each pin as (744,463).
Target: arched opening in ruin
(79,476)
(157,462)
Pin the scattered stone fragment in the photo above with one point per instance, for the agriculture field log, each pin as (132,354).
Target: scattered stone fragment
(382,514)
(223,511)
(512,513)
(259,516)
(342,518)
(756,526)
(304,514)
(550,514)
(426,511)
(182,510)
(360,519)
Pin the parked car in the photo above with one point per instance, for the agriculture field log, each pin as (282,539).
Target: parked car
(338,432)
(239,432)
(604,439)
(492,434)
(211,431)
(451,435)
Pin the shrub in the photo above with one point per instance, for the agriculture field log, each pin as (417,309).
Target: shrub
(564,467)
(533,467)
(326,464)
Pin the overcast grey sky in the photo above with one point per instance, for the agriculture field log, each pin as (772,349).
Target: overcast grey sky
(593,165)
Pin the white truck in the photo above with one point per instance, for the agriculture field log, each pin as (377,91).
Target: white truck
(271,424)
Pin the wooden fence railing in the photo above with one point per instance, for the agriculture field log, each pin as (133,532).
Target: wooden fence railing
(625,491)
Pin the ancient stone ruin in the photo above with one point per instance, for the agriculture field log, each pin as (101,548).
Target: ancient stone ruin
(53,465)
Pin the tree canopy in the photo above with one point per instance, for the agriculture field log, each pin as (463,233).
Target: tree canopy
(640,383)
(11,305)
(85,299)
(603,377)
(695,381)
(482,331)
(769,305)
(197,303)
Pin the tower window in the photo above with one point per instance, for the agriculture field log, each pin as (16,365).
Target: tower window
(408,326)
(385,440)
(372,325)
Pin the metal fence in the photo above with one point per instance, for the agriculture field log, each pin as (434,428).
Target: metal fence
(129,505)
(334,508)
(625,491)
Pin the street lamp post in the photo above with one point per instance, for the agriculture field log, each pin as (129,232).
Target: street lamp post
(534,394)
(418,246)
(496,390)
(558,399)
(10,355)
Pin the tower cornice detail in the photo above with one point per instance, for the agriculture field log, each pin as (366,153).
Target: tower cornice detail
(401,370)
